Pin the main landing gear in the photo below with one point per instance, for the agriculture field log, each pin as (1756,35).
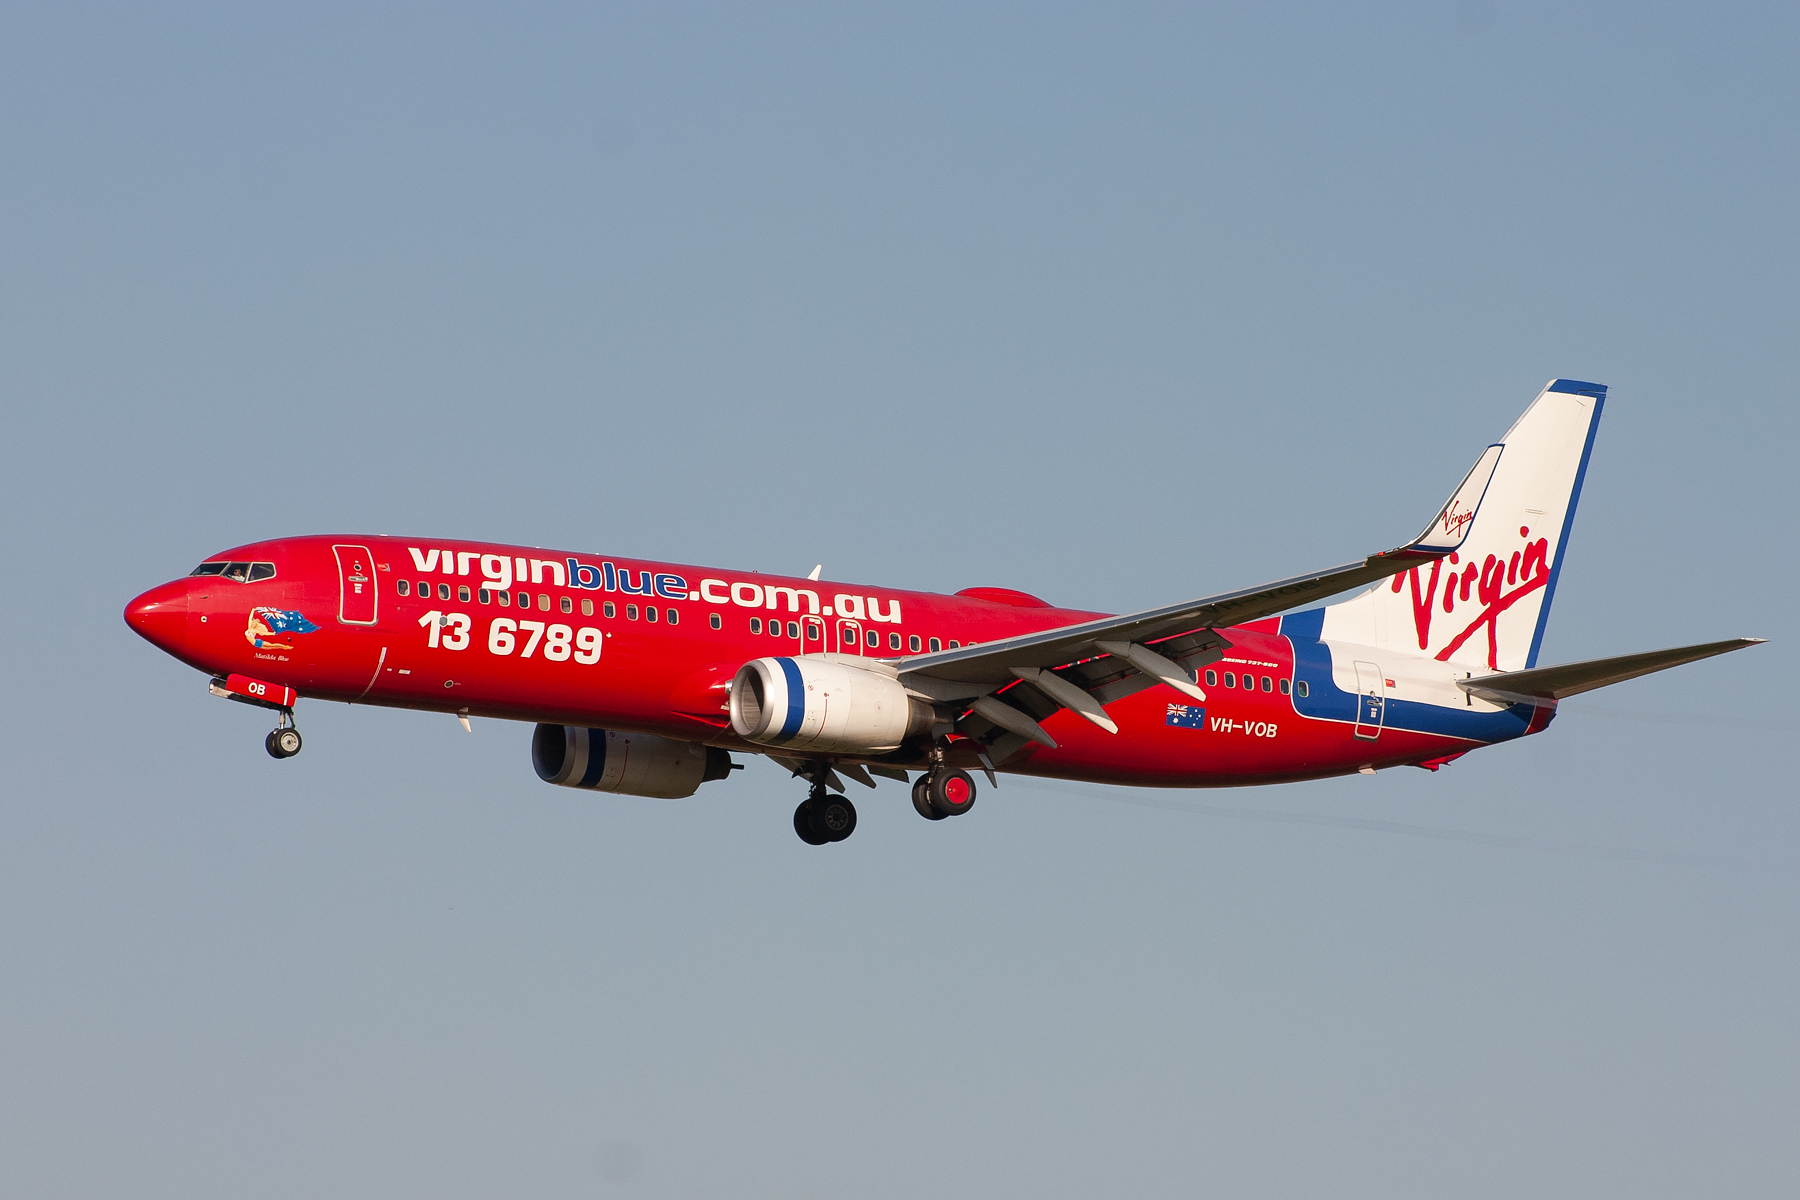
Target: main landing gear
(823,817)
(283,740)
(943,792)
(826,817)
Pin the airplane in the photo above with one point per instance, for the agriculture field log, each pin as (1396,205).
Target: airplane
(643,678)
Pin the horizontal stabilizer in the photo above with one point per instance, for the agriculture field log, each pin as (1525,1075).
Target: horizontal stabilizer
(1572,679)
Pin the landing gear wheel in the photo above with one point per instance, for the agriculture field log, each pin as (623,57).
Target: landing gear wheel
(922,799)
(806,824)
(951,792)
(835,817)
(282,743)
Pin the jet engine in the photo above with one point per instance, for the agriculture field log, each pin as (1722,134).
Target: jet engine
(631,764)
(828,703)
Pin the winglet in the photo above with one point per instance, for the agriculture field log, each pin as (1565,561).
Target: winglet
(1450,527)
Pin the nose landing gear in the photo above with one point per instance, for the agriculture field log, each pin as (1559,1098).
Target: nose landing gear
(283,740)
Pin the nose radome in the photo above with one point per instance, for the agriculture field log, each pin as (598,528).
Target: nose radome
(160,615)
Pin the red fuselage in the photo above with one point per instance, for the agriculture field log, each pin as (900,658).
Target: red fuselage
(546,636)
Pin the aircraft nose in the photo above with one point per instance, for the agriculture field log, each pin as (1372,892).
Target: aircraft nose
(160,615)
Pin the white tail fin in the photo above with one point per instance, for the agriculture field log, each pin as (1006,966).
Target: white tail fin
(1485,606)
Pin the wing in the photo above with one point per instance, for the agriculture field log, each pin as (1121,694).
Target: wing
(1086,666)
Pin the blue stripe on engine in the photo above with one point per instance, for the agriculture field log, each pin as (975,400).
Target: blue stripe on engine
(596,764)
(796,697)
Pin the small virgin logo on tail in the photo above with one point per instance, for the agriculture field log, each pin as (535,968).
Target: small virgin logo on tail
(1456,519)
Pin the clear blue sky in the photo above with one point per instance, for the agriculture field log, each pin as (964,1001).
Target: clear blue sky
(1119,307)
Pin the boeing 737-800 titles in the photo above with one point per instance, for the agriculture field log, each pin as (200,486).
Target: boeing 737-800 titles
(643,678)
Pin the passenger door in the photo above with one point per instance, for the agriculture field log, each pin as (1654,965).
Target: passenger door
(1371,700)
(356,585)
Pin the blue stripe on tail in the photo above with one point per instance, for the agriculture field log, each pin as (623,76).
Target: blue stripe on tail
(1598,392)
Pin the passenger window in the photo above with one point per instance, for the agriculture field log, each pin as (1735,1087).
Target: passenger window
(936,645)
(715,622)
(954,643)
(674,617)
(543,602)
(1284,687)
(462,594)
(912,643)
(261,571)
(1301,689)
(814,631)
(483,595)
(755,624)
(524,599)
(237,571)
(1212,679)
(209,569)
(649,612)
(631,612)
(403,586)
(503,599)
(793,629)
(610,609)
(774,628)
(424,589)
(587,608)
(893,641)
(568,605)
(1268,685)
(1230,679)
(874,640)
(443,591)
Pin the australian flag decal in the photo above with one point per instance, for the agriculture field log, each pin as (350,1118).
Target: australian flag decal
(1186,716)
(281,621)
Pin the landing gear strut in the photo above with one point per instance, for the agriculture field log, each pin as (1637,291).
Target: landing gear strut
(283,740)
(823,817)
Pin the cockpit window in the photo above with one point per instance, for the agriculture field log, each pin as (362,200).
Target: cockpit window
(243,572)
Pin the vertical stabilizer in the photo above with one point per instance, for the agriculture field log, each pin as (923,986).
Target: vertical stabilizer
(1484,607)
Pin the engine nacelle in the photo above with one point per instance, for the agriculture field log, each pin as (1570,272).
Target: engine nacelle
(632,764)
(826,703)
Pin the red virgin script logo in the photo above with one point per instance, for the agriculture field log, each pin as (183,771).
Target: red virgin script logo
(1456,519)
(1497,584)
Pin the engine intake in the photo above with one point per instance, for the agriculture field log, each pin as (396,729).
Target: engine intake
(826,703)
(630,764)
